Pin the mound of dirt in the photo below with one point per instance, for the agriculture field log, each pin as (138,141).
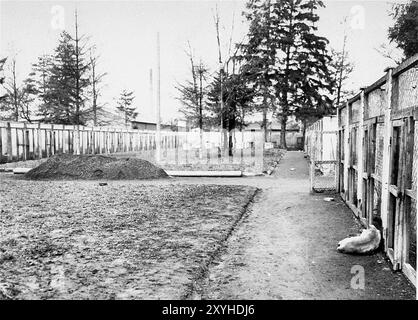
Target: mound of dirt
(90,167)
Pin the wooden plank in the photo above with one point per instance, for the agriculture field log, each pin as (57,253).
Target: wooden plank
(369,121)
(53,143)
(1,145)
(38,142)
(410,273)
(403,113)
(111,141)
(385,195)
(375,85)
(27,144)
(17,145)
(24,143)
(410,193)
(373,148)
(33,157)
(324,161)
(88,141)
(70,142)
(393,189)
(93,141)
(62,147)
(21,170)
(405,65)
(397,123)
(232,173)
(99,142)
(409,154)
(46,143)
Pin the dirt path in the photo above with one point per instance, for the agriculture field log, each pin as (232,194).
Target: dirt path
(285,247)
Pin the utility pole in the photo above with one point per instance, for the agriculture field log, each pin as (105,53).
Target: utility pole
(151,91)
(224,139)
(77,87)
(158,133)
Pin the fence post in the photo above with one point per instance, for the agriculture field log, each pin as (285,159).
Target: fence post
(9,143)
(52,140)
(77,140)
(360,154)
(311,173)
(107,141)
(24,142)
(17,145)
(38,142)
(386,155)
(1,146)
(62,148)
(176,145)
(46,144)
(347,154)
(33,143)
(27,143)
(259,151)
(338,155)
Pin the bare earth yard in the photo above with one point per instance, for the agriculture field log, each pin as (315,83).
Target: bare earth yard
(79,240)
(271,158)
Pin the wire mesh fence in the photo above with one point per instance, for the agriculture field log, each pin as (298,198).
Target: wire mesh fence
(323,176)
(321,149)
(214,150)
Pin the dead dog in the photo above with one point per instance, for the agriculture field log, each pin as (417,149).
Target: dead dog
(368,241)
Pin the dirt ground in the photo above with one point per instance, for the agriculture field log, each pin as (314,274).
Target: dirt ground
(285,248)
(79,240)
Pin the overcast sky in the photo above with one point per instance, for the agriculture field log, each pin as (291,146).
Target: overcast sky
(125,35)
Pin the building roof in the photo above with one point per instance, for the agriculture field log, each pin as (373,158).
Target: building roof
(274,126)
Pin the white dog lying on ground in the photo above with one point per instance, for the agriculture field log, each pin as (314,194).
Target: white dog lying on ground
(367,241)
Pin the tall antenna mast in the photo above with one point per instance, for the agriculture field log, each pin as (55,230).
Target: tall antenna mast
(151,91)
(158,135)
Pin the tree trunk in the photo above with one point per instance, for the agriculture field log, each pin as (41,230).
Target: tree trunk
(201,111)
(232,124)
(264,124)
(283,132)
(303,134)
(77,73)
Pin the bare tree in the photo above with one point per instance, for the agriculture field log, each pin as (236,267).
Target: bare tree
(193,92)
(12,100)
(221,68)
(80,72)
(393,54)
(2,62)
(95,80)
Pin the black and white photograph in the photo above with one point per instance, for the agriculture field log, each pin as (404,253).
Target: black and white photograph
(227,151)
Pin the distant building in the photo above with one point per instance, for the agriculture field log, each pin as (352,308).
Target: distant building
(294,134)
(176,125)
(143,125)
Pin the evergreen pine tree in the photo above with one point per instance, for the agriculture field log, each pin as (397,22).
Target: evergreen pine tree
(288,56)
(124,105)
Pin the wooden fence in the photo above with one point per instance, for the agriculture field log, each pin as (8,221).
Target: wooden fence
(24,141)
(378,160)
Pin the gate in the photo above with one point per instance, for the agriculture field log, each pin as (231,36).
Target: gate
(401,237)
(321,149)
